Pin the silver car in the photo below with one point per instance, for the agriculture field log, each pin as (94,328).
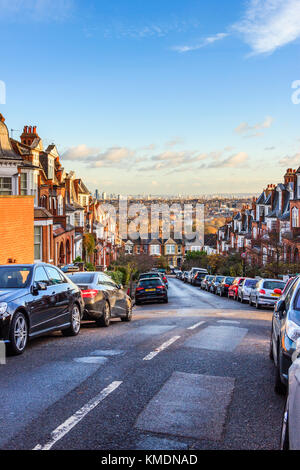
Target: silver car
(266,292)
(245,288)
(290,432)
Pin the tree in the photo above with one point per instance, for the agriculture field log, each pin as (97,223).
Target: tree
(89,245)
(195,259)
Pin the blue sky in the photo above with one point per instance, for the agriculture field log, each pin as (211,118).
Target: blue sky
(181,96)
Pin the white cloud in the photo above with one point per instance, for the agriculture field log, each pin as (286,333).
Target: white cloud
(36,10)
(95,158)
(270,24)
(203,43)
(245,129)
(238,160)
(80,152)
(290,161)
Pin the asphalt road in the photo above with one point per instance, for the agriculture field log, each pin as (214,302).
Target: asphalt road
(193,374)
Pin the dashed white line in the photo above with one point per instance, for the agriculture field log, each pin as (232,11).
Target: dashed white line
(196,326)
(161,348)
(71,422)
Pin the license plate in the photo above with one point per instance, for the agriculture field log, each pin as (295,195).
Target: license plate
(150,290)
(275,295)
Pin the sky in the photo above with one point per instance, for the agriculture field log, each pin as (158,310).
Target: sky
(159,97)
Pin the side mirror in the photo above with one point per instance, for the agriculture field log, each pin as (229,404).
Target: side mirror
(280,308)
(38,286)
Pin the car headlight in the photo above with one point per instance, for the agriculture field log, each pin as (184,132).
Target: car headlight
(292,330)
(3,307)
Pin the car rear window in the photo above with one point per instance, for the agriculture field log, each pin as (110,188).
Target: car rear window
(229,280)
(271,285)
(219,278)
(83,278)
(150,283)
(250,283)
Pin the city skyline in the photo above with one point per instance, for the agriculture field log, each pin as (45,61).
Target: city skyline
(157,98)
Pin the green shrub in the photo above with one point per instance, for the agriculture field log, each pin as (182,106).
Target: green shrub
(117,276)
(90,267)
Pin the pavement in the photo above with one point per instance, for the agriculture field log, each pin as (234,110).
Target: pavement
(191,374)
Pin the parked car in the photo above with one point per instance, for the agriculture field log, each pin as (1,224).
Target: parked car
(179,274)
(36,299)
(285,332)
(222,288)
(244,289)
(233,289)
(198,276)
(103,298)
(266,292)
(151,290)
(209,283)
(154,275)
(215,283)
(70,268)
(290,431)
(192,273)
(185,276)
(205,281)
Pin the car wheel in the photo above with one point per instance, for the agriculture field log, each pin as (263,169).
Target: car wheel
(128,316)
(74,329)
(257,304)
(279,388)
(271,355)
(242,299)
(104,320)
(166,301)
(285,439)
(18,335)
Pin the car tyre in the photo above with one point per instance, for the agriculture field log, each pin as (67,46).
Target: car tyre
(285,439)
(18,335)
(166,301)
(279,387)
(128,316)
(257,304)
(104,320)
(74,328)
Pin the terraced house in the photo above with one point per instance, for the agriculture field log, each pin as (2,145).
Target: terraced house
(63,208)
(270,228)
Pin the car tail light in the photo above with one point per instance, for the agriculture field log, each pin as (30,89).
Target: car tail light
(278,291)
(140,288)
(226,285)
(89,293)
(165,279)
(160,287)
(262,291)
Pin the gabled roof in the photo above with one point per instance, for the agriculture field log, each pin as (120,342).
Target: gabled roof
(6,149)
(261,199)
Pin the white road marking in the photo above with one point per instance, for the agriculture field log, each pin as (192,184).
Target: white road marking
(196,326)
(161,348)
(71,422)
(229,322)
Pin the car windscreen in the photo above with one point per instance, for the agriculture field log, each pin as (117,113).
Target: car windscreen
(271,285)
(150,283)
(84,278)
(14,277)
(229,280)
(250,283)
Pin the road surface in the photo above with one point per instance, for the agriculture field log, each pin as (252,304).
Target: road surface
(193,374)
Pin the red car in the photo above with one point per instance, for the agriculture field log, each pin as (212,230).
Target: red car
(233,289)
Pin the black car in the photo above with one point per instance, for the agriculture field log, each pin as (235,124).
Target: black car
(222,289)
(285,333)
(154,275)
(151,290)
(36,299)
(103,298)
(215,283)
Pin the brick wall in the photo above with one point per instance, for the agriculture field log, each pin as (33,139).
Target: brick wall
(16,229)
